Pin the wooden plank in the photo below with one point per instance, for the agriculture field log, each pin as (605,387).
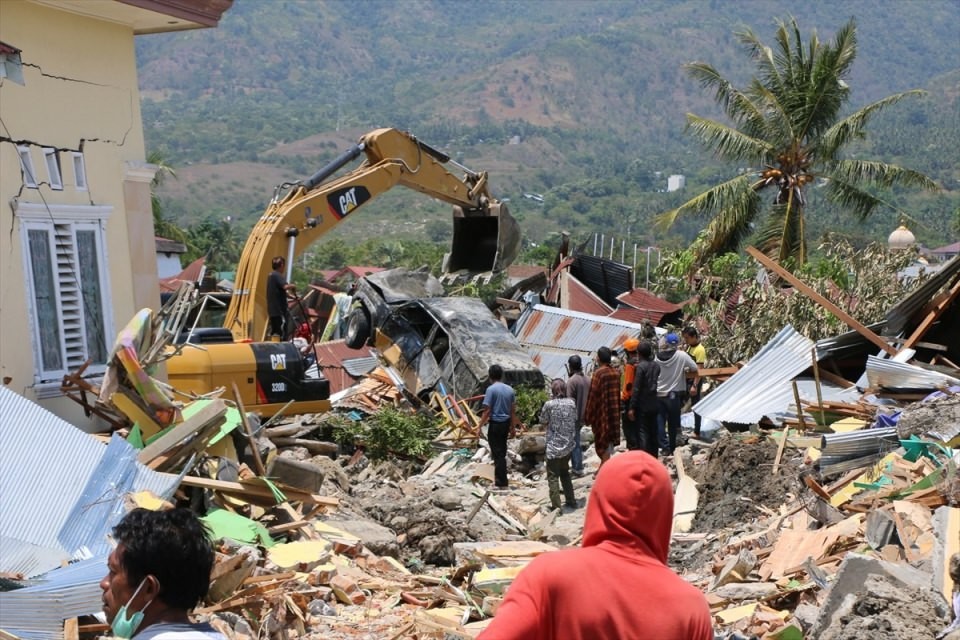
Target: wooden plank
(254,450)
(932,316)
(830,376)
(685,498)
(71,629)
(806,290)
(783,443)
(260,491)
(208,416)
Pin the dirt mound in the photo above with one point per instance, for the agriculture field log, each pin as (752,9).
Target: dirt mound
(737,477)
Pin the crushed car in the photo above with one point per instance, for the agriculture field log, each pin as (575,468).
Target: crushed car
(435,342)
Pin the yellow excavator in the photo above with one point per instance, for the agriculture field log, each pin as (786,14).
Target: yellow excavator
(486,238)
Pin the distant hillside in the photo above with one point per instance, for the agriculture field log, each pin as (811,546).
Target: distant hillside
(595,91)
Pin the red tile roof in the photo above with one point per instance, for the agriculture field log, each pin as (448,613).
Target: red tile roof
(192,273)
(331,355)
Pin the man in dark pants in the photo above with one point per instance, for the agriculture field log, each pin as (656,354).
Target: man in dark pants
(695,348)
(644,407)
(631,429)
(578,388)
(671,389)
(499,412)
(277,288)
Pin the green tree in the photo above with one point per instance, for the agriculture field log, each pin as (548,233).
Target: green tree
(163,226)
(788,122)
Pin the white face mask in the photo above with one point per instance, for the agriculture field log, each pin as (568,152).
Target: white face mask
(124,627)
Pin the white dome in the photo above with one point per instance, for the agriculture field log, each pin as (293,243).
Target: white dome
(901,238)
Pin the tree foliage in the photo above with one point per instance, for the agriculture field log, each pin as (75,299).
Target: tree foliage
(789,122)
(744,308)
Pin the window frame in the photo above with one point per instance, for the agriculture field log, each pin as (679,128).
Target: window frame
(27,169)
(79,171)
(48,218)
(51,158)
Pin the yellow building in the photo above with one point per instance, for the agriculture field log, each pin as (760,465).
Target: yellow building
(77,254)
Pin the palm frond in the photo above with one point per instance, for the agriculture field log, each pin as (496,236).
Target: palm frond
(722,196)
(824,90)
(852,198)
(728,142)
(730,227)
(880,174)
(775,124)
(851,127)
(734,102)
(782,235)
(763,56)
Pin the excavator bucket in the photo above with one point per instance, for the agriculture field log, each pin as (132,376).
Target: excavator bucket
(483,240)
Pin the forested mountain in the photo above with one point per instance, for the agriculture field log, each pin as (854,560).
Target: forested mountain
(583,102)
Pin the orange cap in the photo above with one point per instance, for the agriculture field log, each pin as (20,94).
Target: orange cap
(631,344)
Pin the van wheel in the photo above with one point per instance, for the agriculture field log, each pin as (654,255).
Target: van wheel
(358,327)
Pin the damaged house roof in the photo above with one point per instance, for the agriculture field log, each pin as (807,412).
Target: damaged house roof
(552,335)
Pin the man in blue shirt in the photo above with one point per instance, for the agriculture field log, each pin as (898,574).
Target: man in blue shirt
(499,412)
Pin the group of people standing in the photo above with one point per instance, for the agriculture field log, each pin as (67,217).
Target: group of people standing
(591,591)
(640,400)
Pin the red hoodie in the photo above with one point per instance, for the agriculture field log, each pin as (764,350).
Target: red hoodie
(617,586)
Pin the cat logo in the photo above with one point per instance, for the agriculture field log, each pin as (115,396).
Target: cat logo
(342,201)
(278,361)
(348,201)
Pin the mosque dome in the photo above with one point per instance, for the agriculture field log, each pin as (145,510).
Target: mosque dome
(901,238)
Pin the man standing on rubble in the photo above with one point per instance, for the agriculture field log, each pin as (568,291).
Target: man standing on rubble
(617,586)
(603,406)
(158,572)
(499,412)
(578,388)
(643,407)
(671,390)
(694,347)
(559,416)
(631,429)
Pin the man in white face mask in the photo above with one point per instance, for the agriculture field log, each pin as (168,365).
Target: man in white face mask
(159,571)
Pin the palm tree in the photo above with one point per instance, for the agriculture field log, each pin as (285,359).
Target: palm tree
(162,226)
(787,121)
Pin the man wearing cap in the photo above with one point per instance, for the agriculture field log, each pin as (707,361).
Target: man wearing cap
(671,389)
(578,388)
(631,430)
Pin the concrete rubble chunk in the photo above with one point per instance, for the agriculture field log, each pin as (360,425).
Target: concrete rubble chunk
(852,576)
(302,475)
(375,537)
(738,591)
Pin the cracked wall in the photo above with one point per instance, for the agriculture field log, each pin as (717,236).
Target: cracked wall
(79,94)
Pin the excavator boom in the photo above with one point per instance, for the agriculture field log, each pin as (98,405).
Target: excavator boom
(485,236)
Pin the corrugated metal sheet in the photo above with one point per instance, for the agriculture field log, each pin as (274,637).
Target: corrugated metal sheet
(807,388)
(842,452)
(606,278)
(762,387)
(552,335)
(849,344)
(887,374)
(46,463)
(900,316)
(38,612)
(62,489)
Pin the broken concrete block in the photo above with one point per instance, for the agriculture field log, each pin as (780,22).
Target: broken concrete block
(388,564)
(346,590)
(880,529)
(374,536)
(301,556)
(302,475)
(447,499)
(853,574)
(739,591)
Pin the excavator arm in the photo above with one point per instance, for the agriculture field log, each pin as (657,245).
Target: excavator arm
(485,236)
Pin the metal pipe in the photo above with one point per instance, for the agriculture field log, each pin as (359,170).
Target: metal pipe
(334,165)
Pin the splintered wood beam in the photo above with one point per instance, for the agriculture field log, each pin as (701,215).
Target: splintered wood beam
(806,290)
(932,316)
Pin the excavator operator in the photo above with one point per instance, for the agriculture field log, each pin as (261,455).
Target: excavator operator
(278,290)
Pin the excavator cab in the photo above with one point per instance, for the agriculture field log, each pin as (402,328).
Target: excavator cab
(483,240)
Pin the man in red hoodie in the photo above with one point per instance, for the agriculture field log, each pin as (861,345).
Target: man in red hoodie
(617,586)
